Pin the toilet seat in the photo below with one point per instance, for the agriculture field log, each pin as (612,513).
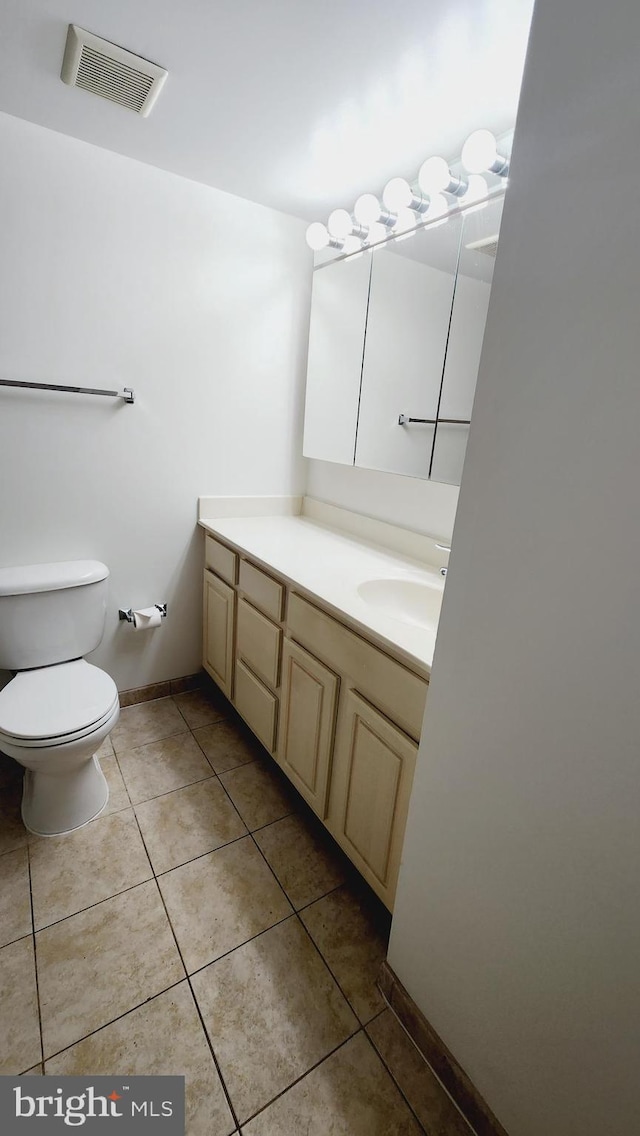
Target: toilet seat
(56,705)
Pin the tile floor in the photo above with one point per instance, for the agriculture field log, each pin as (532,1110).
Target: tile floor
(205,924)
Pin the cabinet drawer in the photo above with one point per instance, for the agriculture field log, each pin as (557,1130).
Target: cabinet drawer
(262,590)
(398,692)
(256,704)
(221,559)
(258,642)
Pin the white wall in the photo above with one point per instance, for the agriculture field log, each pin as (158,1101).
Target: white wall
(517,926)
(424,506)
(117,273)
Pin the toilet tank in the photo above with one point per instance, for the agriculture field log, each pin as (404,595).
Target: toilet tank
(51,613)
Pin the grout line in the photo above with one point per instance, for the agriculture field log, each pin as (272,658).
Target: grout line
(152,741)
(35,958)
(244,943)
(118,1018)
(195,1000)
(392,1075)
(306,1073)
(98,902)
(200,856)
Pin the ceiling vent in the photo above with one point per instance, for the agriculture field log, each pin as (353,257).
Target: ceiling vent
(111,72)
(488,245)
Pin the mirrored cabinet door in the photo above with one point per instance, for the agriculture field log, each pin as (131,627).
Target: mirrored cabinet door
(410,298)
(336,336)
(468,318)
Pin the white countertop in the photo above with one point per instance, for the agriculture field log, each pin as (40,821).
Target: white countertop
(329,565)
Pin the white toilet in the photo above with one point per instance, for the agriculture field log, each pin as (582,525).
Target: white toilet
(57,709)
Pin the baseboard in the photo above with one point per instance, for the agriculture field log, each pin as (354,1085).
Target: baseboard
(460,1088)
(161,689)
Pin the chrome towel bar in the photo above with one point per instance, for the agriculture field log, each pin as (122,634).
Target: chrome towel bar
(126,393)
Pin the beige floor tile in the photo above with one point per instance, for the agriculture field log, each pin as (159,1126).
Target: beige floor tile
(187,823)
(69,873)
(147,722)
(349,1094)
(200,707)
(19,1029)
(353,945)
(221,900)
(98,964)
(302,860)
(15,901)
(163,1037)
(13,834)
(118,796)
(259,792)
(432,1105)
(227,745)
(272,1011)
(159,767)
(37,1071)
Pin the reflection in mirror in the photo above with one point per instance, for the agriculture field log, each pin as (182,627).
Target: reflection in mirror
(468,317)
(410,297)
(336,335)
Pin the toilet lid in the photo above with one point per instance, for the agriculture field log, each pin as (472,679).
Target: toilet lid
(51,702)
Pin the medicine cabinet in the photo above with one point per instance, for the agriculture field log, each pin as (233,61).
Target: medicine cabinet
(394,347)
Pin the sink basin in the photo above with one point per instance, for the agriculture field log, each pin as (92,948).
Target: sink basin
(409,601)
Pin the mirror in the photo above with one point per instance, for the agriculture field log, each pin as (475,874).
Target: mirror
(478,248)
(410,298)
(394,347)
(339,298)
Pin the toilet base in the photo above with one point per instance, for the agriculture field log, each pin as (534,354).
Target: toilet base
(56,804)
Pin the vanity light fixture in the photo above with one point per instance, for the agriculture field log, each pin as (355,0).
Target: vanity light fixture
(398,194)
(369,211)
(341,225)
(318,237)
(440,192)
(405,226)
(480,153)
(435,176)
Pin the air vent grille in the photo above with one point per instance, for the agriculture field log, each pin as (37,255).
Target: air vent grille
(101,67)
(489,246)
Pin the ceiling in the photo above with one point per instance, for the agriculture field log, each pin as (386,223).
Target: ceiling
(298,105)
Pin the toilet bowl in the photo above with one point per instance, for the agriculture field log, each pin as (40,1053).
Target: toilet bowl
(57,709)
(52,721)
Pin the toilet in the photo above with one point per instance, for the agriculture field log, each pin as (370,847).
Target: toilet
(57,708)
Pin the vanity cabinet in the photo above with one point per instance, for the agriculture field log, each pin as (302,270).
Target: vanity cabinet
(372,774)
(340,715)
(219,613)
(307,718)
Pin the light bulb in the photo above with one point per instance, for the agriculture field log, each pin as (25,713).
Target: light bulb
(397,194)
(377,232)
(352,245)
(434,175)
(480,153)
(340,223)
(367,209)
(405,225)
(317,236)
(438,210)
(475,191)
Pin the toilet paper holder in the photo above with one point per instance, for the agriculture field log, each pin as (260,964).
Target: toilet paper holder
(128,615)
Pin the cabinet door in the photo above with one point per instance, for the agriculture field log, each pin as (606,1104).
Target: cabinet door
(371,782)
(217,648)
(308,706)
